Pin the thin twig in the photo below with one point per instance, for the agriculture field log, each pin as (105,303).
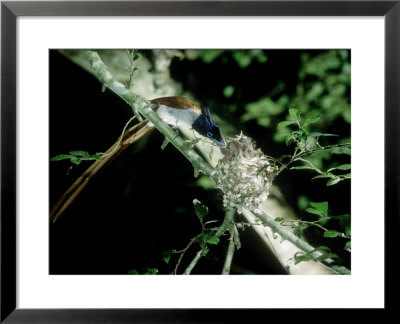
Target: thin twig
(230,252)
(228,220)
(313,223)
(182,252)
(303,153)
(310,164)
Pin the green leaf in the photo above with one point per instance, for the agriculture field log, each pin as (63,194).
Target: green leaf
(327,256)
(346,176)
(75,160)
(347,245)
(315,212)
(317,134)
(311,143)
(204,251)
(303,226)
(76,157)
(344,167)
(322,248)
(301,167)
(278,219)
(79,153)
(333,181)
(285,123)
(228,91)
(311,120)
(133,272)
(344,216)
(341,167)
(325,175)
(95,157)
(60,157)
(137,56)
(200,209)
(300,257)
(205,182)
(294,113)
(299,134)
(322,207)
(288,139)
(347,229)
(340,150)
(150,271)
(212,240)
(331,233)
(166,256)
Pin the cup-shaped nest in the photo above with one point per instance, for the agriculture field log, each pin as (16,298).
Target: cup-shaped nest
(244,174)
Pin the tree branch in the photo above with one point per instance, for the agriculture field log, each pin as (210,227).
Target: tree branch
(143,106)
(230,252)
(192,264)
(228,222)
(298,242)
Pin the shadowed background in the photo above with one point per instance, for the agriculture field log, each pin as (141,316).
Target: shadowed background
(141,204)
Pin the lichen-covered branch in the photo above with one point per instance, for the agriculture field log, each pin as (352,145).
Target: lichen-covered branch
(230,252)
(142,105)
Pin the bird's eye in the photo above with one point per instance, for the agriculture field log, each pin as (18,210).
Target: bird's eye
(209,134)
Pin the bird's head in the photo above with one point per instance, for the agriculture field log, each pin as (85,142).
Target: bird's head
(205,126)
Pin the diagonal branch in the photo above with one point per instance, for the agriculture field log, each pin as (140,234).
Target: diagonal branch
(295,240)
(143,106)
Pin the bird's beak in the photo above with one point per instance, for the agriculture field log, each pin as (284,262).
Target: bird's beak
(221,143)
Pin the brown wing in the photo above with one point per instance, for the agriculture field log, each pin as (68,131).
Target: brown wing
(176,102)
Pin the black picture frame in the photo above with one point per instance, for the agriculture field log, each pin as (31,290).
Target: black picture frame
(10,10)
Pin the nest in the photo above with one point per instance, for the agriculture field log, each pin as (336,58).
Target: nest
(244,174)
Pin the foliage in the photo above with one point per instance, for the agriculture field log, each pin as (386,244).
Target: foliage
(145,271)
(243,58)
(76,157)
(206,237)
(320,211)
(307,142)
(322,89)
(308,109)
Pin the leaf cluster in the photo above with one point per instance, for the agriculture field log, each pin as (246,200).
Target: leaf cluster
(320,210)
(310,256)
(206,237)
(144,271)
(76,157)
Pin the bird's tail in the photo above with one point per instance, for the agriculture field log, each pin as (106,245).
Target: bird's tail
(129,137)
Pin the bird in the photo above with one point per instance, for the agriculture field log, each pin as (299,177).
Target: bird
(180,111)
(176,111)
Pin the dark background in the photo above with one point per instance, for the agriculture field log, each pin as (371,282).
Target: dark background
(141,204)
